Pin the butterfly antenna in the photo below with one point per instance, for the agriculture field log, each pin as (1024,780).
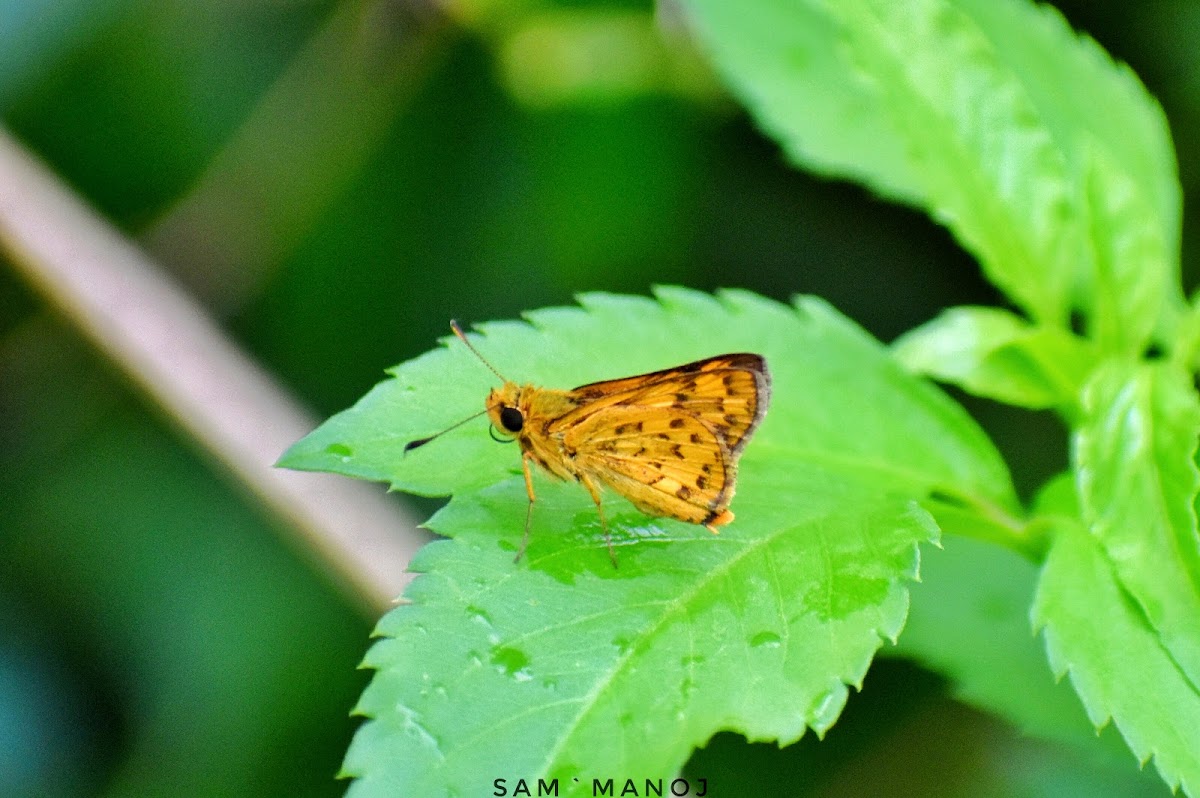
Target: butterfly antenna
(463,337)
(422,441)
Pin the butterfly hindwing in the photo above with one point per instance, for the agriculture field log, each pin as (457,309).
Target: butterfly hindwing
(666,462)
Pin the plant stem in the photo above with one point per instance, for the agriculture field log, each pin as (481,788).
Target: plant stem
(170,349)
(963,515)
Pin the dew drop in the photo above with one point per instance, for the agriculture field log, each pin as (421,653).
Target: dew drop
(512,662)
(766,640)
(414,727)
(479,616)
(340,450)
(826,709)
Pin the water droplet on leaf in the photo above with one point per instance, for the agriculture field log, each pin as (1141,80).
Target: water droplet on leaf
(766,640)
(512,662)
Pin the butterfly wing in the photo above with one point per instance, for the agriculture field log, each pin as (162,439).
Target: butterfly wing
(667,462)
(728,393)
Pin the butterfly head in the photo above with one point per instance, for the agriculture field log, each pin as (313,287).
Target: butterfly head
(505,409)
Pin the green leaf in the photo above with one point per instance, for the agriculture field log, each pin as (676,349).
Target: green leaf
(1116,139)
(1117,662)
(788,62)
(984,112)
(1118,597)
(1137,481)
(1131,269)
(1185,353)
(993,353)
(562,666)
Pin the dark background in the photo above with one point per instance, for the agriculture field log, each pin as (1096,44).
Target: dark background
(334,181)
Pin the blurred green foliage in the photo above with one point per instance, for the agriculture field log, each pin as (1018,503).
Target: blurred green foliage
(337,180)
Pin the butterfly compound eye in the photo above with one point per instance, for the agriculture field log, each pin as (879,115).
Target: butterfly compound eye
(512,419)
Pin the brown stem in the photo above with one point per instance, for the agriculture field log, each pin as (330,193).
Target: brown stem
(169,347)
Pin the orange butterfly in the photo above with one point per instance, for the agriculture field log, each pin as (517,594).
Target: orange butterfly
(667,441)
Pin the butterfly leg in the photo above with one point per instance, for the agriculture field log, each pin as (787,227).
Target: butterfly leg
(529,510)
(592,489)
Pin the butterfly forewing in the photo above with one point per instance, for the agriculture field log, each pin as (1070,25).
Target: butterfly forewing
(729,393)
